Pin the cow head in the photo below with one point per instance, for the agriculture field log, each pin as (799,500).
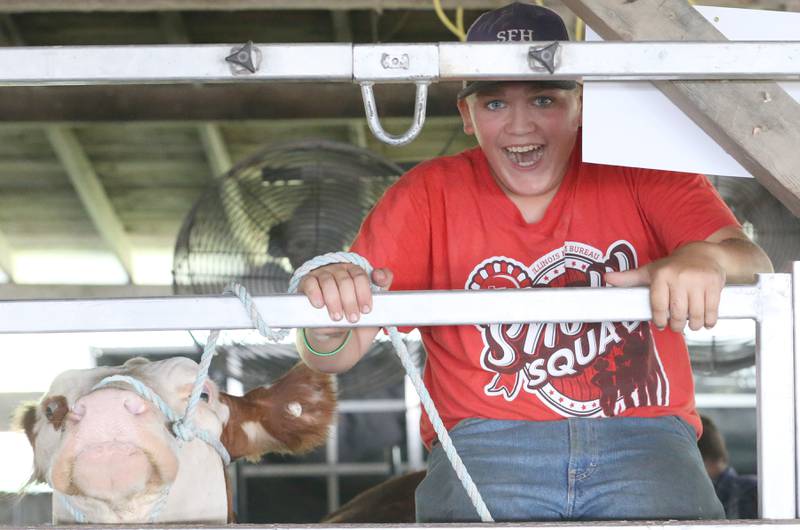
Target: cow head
(111,456)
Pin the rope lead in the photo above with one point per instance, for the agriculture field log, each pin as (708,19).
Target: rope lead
(402,352)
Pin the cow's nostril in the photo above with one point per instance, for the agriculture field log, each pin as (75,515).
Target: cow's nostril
(135,405)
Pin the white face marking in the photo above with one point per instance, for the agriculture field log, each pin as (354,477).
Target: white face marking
(258,436)
(171,379)
(295,409)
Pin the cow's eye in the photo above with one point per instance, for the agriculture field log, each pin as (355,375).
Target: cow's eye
(55,409)
(205,395)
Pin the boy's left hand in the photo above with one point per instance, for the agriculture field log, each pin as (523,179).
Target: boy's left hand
(686,285)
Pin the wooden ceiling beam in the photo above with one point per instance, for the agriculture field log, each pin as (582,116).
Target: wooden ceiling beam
(342,28)
(754,121)
(242,101)
(6,258)
(174,27)
(217,154)
(9,36)
(28,6)
(33,6)
(91,193)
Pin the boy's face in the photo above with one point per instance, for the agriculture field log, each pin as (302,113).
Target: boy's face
(527,132)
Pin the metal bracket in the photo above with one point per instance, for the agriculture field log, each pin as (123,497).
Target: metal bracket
(543,56)
(246,58)
(374,122)
(391,61)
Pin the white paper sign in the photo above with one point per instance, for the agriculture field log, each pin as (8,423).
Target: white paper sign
(634,124)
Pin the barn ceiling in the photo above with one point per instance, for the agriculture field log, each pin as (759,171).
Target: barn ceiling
(110,172)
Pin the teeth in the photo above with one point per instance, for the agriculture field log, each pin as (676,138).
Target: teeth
(525,155)
(523,148)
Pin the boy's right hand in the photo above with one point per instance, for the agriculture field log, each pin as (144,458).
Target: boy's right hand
(343,288)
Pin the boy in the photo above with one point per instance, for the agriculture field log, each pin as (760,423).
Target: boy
(553,421)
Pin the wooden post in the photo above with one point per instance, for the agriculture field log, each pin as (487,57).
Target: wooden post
(756,122)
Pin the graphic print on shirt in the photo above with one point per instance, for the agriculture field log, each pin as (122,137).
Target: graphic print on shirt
(576,369)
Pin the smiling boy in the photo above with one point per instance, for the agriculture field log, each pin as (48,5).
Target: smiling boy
(553,421)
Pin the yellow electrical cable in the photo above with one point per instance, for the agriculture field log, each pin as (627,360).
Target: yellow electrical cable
(455,30)
(579,27)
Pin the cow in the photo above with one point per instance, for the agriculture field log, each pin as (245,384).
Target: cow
(111,456)
(391,501)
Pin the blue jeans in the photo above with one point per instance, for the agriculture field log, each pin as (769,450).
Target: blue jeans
(572,469)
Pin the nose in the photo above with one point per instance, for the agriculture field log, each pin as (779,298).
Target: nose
(520,121)
(110,401)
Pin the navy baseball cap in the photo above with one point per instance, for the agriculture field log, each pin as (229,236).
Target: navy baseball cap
(517,22)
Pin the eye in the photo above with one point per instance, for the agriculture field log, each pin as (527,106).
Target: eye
(55,409)
(495,104)
(205,395)
(50,410)
(542,101)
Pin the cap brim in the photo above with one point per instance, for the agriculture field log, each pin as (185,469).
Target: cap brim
(475,86)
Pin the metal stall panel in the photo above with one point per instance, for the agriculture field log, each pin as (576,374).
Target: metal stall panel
(429,308)
(796,318)
(775,371)
(603,61)
(92,65)
(43,65)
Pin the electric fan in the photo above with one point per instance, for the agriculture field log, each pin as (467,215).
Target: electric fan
(268,215)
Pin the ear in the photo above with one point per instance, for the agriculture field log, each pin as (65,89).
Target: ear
(466,115)
(291,416)
(24,420)
(135,361)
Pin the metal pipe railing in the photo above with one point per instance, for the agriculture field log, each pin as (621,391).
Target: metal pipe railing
(769,302)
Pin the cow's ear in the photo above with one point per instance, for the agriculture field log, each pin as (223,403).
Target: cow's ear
(135,361)
(25,419)
(291,416)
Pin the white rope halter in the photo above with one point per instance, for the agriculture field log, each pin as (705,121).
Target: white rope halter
(413,374)
(185,430)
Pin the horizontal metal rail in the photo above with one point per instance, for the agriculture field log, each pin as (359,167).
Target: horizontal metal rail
(315,470)
(585,525)
(408,308)
(625,60)
(769,302)
(359,406)
(100,65)
(725,401)
(91,65)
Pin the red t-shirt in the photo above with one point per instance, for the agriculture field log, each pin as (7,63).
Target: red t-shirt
(446,224)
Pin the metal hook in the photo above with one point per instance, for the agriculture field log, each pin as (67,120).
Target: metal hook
(544,56)
(374,122)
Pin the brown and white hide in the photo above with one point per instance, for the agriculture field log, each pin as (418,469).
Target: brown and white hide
(388,502)
(113,453)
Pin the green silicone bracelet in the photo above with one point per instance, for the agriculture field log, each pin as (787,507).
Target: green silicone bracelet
(323,354)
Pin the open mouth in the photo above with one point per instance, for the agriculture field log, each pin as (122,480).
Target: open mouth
(524,156)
